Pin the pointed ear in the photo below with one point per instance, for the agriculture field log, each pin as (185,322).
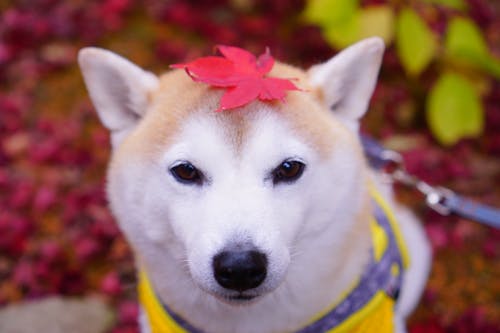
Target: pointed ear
(348,79)
(119,89)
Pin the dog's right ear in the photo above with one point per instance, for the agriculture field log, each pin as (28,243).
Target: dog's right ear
(119,89)
(348,79)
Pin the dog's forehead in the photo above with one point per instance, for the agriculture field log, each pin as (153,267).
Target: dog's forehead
(179,100)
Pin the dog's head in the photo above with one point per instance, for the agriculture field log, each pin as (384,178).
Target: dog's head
(230,199)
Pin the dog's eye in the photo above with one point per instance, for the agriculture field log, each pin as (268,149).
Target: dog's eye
(288,171)
(186,173)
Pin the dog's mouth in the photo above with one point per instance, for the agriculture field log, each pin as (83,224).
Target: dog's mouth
(238,299)
(234,297)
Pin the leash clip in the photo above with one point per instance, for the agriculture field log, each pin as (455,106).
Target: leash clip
(436,197)
(439,199)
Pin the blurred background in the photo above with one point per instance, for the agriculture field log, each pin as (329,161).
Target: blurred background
(437,102)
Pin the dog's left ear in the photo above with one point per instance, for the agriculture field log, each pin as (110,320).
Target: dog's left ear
(348,79)
(120,90)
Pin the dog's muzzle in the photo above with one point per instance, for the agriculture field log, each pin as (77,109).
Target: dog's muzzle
(240,270)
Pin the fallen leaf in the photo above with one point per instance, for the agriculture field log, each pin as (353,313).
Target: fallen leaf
(243,74)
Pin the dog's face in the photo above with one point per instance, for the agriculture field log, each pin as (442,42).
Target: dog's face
(229,198)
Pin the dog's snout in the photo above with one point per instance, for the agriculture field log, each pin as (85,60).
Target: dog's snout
(240,270)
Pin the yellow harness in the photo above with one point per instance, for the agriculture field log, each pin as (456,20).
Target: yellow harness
(375,312)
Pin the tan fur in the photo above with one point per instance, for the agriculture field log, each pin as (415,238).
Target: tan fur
(179,98)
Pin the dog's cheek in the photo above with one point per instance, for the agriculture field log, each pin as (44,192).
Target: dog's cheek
(330,192)
(136,194)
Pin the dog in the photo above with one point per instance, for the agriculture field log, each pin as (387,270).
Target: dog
(258,219)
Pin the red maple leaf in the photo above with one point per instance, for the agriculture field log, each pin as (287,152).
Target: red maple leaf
(241,73)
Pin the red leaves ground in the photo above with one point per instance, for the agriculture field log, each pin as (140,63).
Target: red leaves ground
(56,233)
(243,74)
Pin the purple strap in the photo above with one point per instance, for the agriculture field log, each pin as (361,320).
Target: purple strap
(377,276)
(473,210)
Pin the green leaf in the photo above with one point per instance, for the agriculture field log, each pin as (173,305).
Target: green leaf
(326,13)
(377,21)
(465,42)
(464,38)
(366,22)
(454,110)
(415,42)
(492,66)
(455,4)
(343,34)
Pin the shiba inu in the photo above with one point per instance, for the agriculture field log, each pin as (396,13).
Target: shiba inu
(261,219)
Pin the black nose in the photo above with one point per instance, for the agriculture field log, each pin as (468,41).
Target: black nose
(240,270)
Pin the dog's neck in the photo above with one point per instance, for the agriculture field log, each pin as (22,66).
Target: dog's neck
(298,300)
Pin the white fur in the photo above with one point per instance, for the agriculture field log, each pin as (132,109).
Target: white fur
(306,228)
(118,88)
(348,80)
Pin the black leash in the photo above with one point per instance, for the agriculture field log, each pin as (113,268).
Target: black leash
(442,200)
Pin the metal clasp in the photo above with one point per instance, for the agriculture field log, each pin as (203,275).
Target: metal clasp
(435,197)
